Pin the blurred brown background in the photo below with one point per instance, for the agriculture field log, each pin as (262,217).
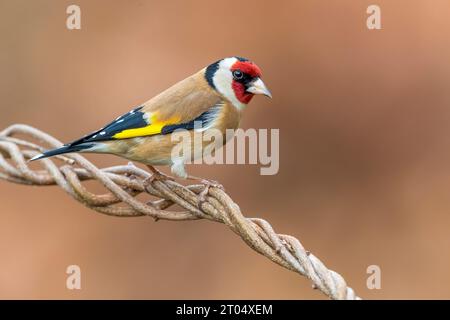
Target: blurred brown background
(364,124)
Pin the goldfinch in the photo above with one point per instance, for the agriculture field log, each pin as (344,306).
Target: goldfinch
(215,97)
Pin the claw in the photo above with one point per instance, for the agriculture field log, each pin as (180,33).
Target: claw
(212,184)
(208,184)
(156,176)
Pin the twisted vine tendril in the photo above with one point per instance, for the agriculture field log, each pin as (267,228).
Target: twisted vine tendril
(124,183)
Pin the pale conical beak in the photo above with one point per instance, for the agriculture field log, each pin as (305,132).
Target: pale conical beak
(258,87)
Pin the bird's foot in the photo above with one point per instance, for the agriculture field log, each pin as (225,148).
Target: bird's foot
(208,184)
(156,176)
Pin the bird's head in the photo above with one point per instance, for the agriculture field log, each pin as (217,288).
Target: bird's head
(237,79)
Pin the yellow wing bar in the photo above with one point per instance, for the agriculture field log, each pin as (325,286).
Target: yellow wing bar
(155,127)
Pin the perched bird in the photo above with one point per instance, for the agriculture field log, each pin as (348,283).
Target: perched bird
(215,97)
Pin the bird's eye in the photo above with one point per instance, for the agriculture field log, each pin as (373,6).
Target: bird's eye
(237,74)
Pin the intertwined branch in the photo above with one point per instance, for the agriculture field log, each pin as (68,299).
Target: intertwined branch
(125,182)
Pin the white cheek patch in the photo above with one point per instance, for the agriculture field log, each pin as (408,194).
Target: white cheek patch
(222,80)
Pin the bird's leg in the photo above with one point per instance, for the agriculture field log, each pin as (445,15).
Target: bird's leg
(131,176)
(156,175)
(208,184)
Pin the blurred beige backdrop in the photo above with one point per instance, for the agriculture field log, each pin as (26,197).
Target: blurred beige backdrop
(365,145)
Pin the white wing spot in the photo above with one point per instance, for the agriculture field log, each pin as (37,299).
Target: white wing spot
(146,117)
(102,133)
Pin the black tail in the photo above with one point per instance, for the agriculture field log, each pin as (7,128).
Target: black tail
(64,149)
